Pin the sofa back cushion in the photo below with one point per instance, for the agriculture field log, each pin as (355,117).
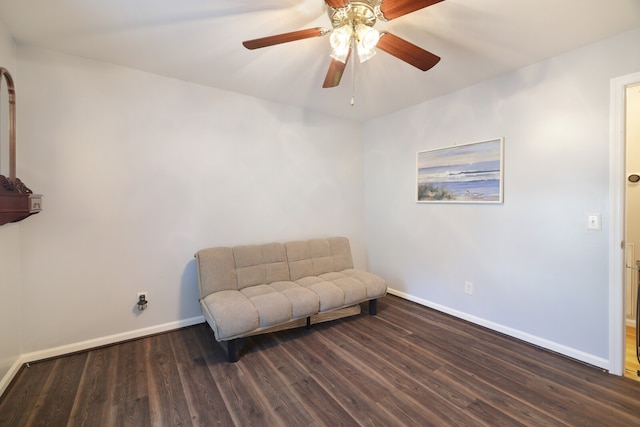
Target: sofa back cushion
(221,269)
(260,264)
(216,270)
(318,256)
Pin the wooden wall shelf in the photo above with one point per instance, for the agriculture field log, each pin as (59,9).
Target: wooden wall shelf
(17,201)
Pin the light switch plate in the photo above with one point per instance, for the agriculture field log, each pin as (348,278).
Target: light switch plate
(594,222)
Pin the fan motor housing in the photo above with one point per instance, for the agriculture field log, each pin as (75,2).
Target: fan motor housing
(363,12)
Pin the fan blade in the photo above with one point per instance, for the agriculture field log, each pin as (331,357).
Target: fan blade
(408,52)
(337,3)
(392,9)
(285,38)
(336,69)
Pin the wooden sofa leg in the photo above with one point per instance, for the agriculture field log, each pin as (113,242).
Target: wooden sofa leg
(373,307)
(308,322)
(232,350)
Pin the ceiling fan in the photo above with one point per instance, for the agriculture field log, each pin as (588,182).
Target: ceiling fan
(352,29)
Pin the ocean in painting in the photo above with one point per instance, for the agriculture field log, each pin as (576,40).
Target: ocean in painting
(469,172)
(478,181)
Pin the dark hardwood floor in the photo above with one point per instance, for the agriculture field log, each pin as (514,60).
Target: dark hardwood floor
(409,365)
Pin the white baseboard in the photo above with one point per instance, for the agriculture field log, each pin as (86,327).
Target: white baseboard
(532,339)
(93,343)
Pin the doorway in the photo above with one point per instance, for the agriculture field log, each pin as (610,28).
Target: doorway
(617,190)
(632,227)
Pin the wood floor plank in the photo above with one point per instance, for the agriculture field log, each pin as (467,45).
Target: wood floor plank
(204,400)
(39,404)
(519,384)
(95,389)
(410,402)
(459,386)
(558,400)
(67,374)
(168,403)
(409,365)
(449,380)
(343,383)
(242,400)
(575,378)
(131,398)
(25,391)
(322,408)
(420,405)
(275,392)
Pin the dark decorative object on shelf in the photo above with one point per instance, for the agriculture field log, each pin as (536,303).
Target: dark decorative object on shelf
(17,201)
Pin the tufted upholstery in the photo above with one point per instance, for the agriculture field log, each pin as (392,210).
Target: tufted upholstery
(315,257)
(257,265)
(248,289)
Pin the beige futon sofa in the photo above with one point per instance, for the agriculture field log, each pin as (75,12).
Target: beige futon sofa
(246,290)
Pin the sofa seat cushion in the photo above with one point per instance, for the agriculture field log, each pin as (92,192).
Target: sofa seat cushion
(273,307)
(335,290)
(354,290)
(235,313)
(280,302)
(376,286)
(304,302)
(230,314)
(331,296)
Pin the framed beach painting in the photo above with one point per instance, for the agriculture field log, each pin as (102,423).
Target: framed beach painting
(468,173)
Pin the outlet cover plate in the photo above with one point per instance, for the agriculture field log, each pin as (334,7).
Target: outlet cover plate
(468,288)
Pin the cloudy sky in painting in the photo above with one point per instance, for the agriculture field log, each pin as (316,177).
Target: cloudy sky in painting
(460,154)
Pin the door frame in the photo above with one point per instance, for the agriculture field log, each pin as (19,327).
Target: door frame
(617,271)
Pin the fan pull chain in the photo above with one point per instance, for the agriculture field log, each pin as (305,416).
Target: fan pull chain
(353,78)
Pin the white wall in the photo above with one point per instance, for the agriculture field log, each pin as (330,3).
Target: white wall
(10,295)
(140,171)
(10,300)
(538,272)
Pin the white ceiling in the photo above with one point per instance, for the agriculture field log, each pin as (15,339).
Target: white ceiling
(200,41)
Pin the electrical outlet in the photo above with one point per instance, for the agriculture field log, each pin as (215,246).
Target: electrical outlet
(468,288)
(143,300)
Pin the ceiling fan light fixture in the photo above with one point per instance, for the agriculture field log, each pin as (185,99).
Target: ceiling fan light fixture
(368,37)
(366,40)
(340,41)
(365,54)
(340,55)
